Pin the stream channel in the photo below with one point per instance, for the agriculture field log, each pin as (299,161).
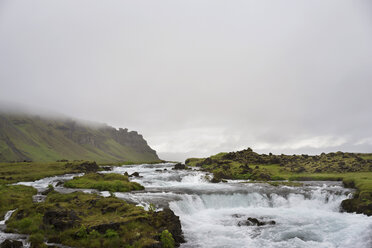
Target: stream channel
(215,214)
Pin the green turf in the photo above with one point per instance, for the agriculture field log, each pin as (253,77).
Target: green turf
(104,182)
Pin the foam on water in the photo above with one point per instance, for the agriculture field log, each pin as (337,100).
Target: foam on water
(213,221)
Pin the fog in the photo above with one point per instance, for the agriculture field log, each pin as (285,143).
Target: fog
(197,77)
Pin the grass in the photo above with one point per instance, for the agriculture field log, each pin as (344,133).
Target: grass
(13,196)
(31,171)
(104,182)
(88,220)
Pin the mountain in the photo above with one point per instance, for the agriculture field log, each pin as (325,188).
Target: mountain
(35,138)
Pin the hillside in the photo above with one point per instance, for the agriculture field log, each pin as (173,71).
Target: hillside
(35,138)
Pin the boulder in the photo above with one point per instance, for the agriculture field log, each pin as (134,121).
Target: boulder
(179,166)
(135,174)
(87,167)
(167,220)
(60,183)
(216,179)
(255,222)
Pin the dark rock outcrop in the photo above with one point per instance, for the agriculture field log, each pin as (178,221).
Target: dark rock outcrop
(167,220)
(179,166)
(102,228)
(61,219)
(11,244)
(357,205)
(86,167)
(135,174)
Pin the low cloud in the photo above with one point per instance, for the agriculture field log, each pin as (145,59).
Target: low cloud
(198,77)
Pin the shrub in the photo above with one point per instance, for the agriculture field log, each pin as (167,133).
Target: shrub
(37,240)
(111,234)
(82,233)
(166,239)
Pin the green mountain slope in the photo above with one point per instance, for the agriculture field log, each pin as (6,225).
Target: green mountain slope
(26,137)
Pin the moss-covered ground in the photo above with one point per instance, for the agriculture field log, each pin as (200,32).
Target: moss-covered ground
(104,182)
(31,171)
(87,220)
(78,219)
(13,196)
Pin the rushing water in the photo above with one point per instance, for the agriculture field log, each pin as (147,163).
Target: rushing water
(211,214)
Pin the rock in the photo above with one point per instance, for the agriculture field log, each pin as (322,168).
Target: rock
(102,228)
(255,222)
(47,191)
(135,174)
(126,174)
(61,219)
(216,180)
(87,167)
(60,183)
(179,166)
(106,168)
(11,244)
(167,220)
(356,205)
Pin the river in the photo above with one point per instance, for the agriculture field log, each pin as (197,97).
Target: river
(214,215)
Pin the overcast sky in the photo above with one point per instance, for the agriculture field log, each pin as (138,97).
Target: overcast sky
(198,77)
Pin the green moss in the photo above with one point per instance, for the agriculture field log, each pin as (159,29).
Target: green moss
(166,239)
(13,196)
(86,220)
(37,240)
(104,182)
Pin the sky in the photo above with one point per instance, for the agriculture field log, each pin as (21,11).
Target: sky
(198,77)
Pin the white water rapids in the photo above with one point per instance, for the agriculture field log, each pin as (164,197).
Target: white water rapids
(305,216)
(210,214)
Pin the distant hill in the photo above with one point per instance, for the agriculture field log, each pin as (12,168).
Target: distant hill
(35,138)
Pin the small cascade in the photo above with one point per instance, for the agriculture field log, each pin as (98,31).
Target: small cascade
(11,236)
(7,216)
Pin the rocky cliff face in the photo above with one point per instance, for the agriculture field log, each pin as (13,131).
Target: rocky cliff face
(25,137)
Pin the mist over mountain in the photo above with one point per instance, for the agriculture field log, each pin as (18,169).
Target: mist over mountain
(40,138)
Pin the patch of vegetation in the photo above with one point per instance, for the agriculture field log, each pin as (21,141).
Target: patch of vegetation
(104,182)
(166,239)
(290,184)
(354,169)
(31,171)
(88,220)
(12,196)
